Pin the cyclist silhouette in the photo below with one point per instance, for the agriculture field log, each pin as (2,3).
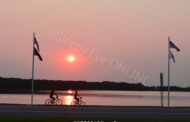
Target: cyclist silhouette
(76,97)
(51,95)
(53,99)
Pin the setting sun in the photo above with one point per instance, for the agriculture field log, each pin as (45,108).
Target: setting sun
(71,58)
(70,91)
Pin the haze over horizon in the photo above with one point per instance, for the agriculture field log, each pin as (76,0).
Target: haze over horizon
(111,40)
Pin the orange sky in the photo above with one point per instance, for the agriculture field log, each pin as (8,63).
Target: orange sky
(112,39)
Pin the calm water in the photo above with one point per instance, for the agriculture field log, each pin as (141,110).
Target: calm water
(113,98)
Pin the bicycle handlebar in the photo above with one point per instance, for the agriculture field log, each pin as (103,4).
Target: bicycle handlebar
(56,96)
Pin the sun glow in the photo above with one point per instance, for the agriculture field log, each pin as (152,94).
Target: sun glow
(71,58)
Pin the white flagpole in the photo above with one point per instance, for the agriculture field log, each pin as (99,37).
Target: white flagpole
(168,71)
(32,72)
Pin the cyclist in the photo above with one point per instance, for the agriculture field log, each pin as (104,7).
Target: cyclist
(52,95)
(76,97)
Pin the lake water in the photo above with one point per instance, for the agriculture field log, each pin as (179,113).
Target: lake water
(107,98)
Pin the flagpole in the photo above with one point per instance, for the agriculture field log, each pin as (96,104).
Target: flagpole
(32,73)
(168,71)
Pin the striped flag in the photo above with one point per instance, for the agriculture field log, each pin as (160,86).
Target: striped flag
(172,56)
(172,45)
(36,51)
(36,43)
(37,54)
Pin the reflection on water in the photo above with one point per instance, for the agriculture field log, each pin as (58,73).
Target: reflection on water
(113,98)
(67,100)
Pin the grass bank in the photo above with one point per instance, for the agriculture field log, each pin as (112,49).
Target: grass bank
(16,119)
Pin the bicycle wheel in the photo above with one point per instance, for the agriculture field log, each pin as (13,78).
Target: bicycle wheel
(58,102)
(73,103)
(48,102)
(82,103)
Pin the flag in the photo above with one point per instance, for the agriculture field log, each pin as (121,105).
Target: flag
(172,56)
(172,45)
(36,43)
(37,54)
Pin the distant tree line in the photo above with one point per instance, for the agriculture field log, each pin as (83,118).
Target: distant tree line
(17,85)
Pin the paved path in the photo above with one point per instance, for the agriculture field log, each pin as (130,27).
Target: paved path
(93,111)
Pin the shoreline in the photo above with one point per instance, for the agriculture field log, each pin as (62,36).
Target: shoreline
(89,106)
(150,112)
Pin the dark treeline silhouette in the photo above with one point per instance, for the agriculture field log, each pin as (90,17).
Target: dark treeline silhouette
(17,85)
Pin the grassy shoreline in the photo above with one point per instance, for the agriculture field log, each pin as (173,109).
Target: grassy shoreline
(23,119)
(159,107)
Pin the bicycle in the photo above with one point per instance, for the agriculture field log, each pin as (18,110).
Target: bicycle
(52,102)
(80,102)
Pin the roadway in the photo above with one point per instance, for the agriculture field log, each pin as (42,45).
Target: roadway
(93,111)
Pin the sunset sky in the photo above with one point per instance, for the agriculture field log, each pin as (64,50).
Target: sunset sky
(112,40)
